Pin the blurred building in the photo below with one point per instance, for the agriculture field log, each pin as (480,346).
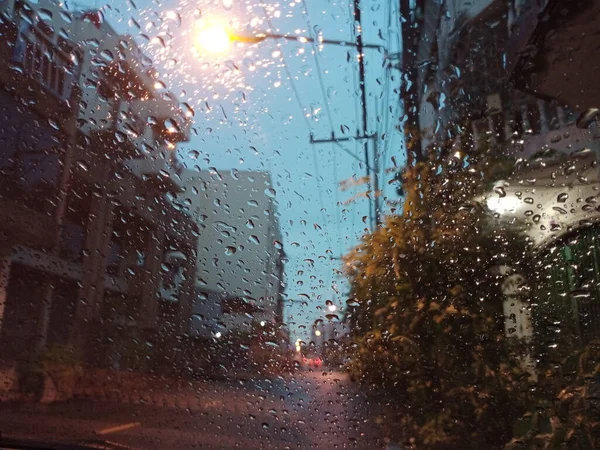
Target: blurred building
(92,248)
(515,79)
(240,256)
(461,80)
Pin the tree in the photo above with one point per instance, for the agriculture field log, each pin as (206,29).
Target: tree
(429,327)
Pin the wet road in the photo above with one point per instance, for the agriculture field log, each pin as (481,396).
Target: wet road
(310,410)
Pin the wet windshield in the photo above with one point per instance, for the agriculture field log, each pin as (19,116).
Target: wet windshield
(304,224)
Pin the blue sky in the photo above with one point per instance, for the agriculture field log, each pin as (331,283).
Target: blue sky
(248,117)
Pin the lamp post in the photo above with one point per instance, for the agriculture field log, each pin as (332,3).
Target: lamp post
(261,36)
(217,39)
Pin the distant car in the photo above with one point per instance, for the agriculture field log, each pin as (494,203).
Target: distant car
(312,361)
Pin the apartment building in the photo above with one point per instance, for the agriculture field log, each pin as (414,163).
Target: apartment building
(92,246)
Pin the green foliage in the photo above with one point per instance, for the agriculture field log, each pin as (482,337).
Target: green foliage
(429,325)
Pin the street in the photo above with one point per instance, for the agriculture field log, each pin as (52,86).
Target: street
(309,410)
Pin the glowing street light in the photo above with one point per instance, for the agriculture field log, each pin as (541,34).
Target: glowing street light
(216,38)
(213,38)
(317,333)
(332,308)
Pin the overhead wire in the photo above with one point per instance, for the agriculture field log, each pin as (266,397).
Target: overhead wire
(355,97)
(388,128)
(306,121)
(315,53)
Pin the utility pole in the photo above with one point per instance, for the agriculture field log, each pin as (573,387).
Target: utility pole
(365,118)
(372,170)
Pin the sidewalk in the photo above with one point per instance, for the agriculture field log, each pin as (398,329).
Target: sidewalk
(139,388)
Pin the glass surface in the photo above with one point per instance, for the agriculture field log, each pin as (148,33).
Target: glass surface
(306,224)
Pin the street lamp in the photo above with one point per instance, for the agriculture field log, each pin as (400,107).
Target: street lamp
(214,38)
(217,38)
(261,36)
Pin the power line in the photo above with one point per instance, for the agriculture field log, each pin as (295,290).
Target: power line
(318,64)
(330,119)
(297,97)
(356,103)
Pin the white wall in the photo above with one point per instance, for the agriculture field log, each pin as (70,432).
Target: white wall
(239,236)
(552,200)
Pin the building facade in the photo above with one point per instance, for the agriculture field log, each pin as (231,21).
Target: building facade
(93,244)
(513,78)
(240,256)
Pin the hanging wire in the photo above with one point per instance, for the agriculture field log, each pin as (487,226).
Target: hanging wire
(308,126)
(355,97)
(394,14)
(315,53)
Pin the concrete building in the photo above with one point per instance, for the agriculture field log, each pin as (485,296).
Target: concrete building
(240,253)
(93,247)
(515,78)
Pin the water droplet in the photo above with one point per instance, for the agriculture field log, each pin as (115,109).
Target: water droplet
(120,137)
(45,14)
(171,126)
(83,165)
(500,191)
(562,197)
(107,55)
(188,110)
(16,68)
(66,16)
(587,117)
(174,17)
(54,124)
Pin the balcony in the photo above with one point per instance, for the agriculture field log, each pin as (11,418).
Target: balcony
(130,89)
(166,117)
(163,168)
(534,127)
(38,62)
(553,50)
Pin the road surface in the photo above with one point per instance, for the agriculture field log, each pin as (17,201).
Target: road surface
(312,410)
